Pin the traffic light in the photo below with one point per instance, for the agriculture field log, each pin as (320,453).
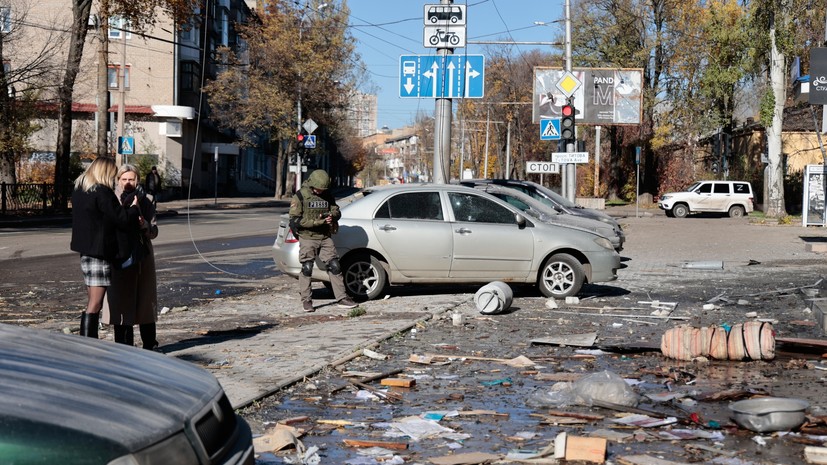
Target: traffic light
(300,140)
(567,122)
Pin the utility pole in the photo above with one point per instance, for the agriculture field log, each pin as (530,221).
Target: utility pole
(102,123)
(122,91)
(569,169)
(443,117)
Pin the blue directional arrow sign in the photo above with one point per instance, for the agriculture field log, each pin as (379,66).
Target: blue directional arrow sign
(441,76)
(550,129)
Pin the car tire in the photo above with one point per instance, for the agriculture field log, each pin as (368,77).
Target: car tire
(680,211)
(364,277)
(561,276)
(669,213)
(737,211)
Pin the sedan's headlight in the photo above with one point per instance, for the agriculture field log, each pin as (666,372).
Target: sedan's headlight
(176,449)
(666,197)
(603,242)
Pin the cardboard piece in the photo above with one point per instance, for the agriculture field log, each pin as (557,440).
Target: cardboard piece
(278,438)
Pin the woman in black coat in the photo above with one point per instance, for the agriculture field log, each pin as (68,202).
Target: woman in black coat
(99,225)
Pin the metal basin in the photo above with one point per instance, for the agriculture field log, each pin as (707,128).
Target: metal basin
(766,414)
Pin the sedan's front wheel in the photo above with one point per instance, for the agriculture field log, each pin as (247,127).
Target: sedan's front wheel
(561,276)
(364,277)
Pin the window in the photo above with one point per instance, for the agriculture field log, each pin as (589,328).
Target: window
(741,188)
(705,189)
(112,74)
(476,209)
(116,24)
(721,188)
(412,206)
(5,19)
(189,76)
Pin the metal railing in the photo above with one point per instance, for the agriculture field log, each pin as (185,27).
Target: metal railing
(27,198)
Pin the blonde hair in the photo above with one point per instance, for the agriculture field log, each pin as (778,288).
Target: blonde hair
(101,171)
(127,168)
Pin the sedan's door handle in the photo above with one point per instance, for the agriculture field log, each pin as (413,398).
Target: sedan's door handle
(463,231)
(387,227)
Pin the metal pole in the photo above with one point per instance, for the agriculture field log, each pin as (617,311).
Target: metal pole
(487,130)
(215,159)
(442,129)
(637,181)
(508,152)
(597,161)
(298,184)
(571,175)
(122,102)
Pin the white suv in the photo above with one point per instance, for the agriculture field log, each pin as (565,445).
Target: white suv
(732,197)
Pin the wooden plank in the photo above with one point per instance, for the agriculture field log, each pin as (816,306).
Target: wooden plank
(803,342)
(398,382)
(573,340)
(815,454)
(385,444)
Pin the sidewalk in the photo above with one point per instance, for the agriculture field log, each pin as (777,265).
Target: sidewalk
(275,344)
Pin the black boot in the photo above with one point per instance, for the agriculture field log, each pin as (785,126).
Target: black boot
(89,325)
(148,336)
(125,334)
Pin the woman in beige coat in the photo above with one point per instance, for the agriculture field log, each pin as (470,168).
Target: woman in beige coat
(132,297)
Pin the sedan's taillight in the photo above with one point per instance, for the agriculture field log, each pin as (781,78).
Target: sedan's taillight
(289,237)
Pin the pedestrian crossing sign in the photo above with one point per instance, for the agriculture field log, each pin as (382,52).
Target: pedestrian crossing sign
(126,145)
(550,129)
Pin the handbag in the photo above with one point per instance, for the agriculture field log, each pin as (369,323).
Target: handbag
(136,254)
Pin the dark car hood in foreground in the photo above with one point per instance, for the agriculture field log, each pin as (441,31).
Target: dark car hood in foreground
(83,384)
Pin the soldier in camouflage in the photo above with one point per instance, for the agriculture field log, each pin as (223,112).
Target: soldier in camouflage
(314,218)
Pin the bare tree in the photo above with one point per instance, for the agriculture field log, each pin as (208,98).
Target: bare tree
(23,81)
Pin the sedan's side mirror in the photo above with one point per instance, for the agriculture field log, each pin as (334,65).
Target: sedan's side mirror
(520,219)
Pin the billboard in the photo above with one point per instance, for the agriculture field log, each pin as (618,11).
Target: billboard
(608,96)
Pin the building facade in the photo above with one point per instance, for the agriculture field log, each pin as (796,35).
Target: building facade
(156,76)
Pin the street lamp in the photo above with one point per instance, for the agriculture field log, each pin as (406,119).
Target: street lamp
(299,98)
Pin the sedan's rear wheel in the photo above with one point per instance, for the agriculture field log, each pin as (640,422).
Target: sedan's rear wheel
(561,276)
(364,277)
(737,211)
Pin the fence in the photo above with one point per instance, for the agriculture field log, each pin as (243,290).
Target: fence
(27,198)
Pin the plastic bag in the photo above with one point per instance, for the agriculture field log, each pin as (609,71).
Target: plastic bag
(604,386)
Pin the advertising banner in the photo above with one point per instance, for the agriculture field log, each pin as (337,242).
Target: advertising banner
(607,96)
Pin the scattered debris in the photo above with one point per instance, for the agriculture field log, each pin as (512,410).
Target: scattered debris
(494,297)
(571,340)
(752,340)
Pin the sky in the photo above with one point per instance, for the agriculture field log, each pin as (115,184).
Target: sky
(387,29)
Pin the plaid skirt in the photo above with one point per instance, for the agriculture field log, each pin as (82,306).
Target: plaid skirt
(96,272)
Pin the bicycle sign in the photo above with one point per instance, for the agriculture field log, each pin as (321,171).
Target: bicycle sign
(444,37)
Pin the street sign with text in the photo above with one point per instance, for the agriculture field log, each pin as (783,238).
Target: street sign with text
(570,157)
(443,76)
(542,167)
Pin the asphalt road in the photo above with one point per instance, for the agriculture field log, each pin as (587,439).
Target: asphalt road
(198,256)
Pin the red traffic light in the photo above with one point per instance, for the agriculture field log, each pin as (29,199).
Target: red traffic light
(567,110)
(300,137)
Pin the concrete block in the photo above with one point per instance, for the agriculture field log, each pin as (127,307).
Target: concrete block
(591,202)
(816,247)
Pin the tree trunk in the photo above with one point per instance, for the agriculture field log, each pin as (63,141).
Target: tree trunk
(774,175)
(7,169)
(103,80)
(280,164)
(80,13)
